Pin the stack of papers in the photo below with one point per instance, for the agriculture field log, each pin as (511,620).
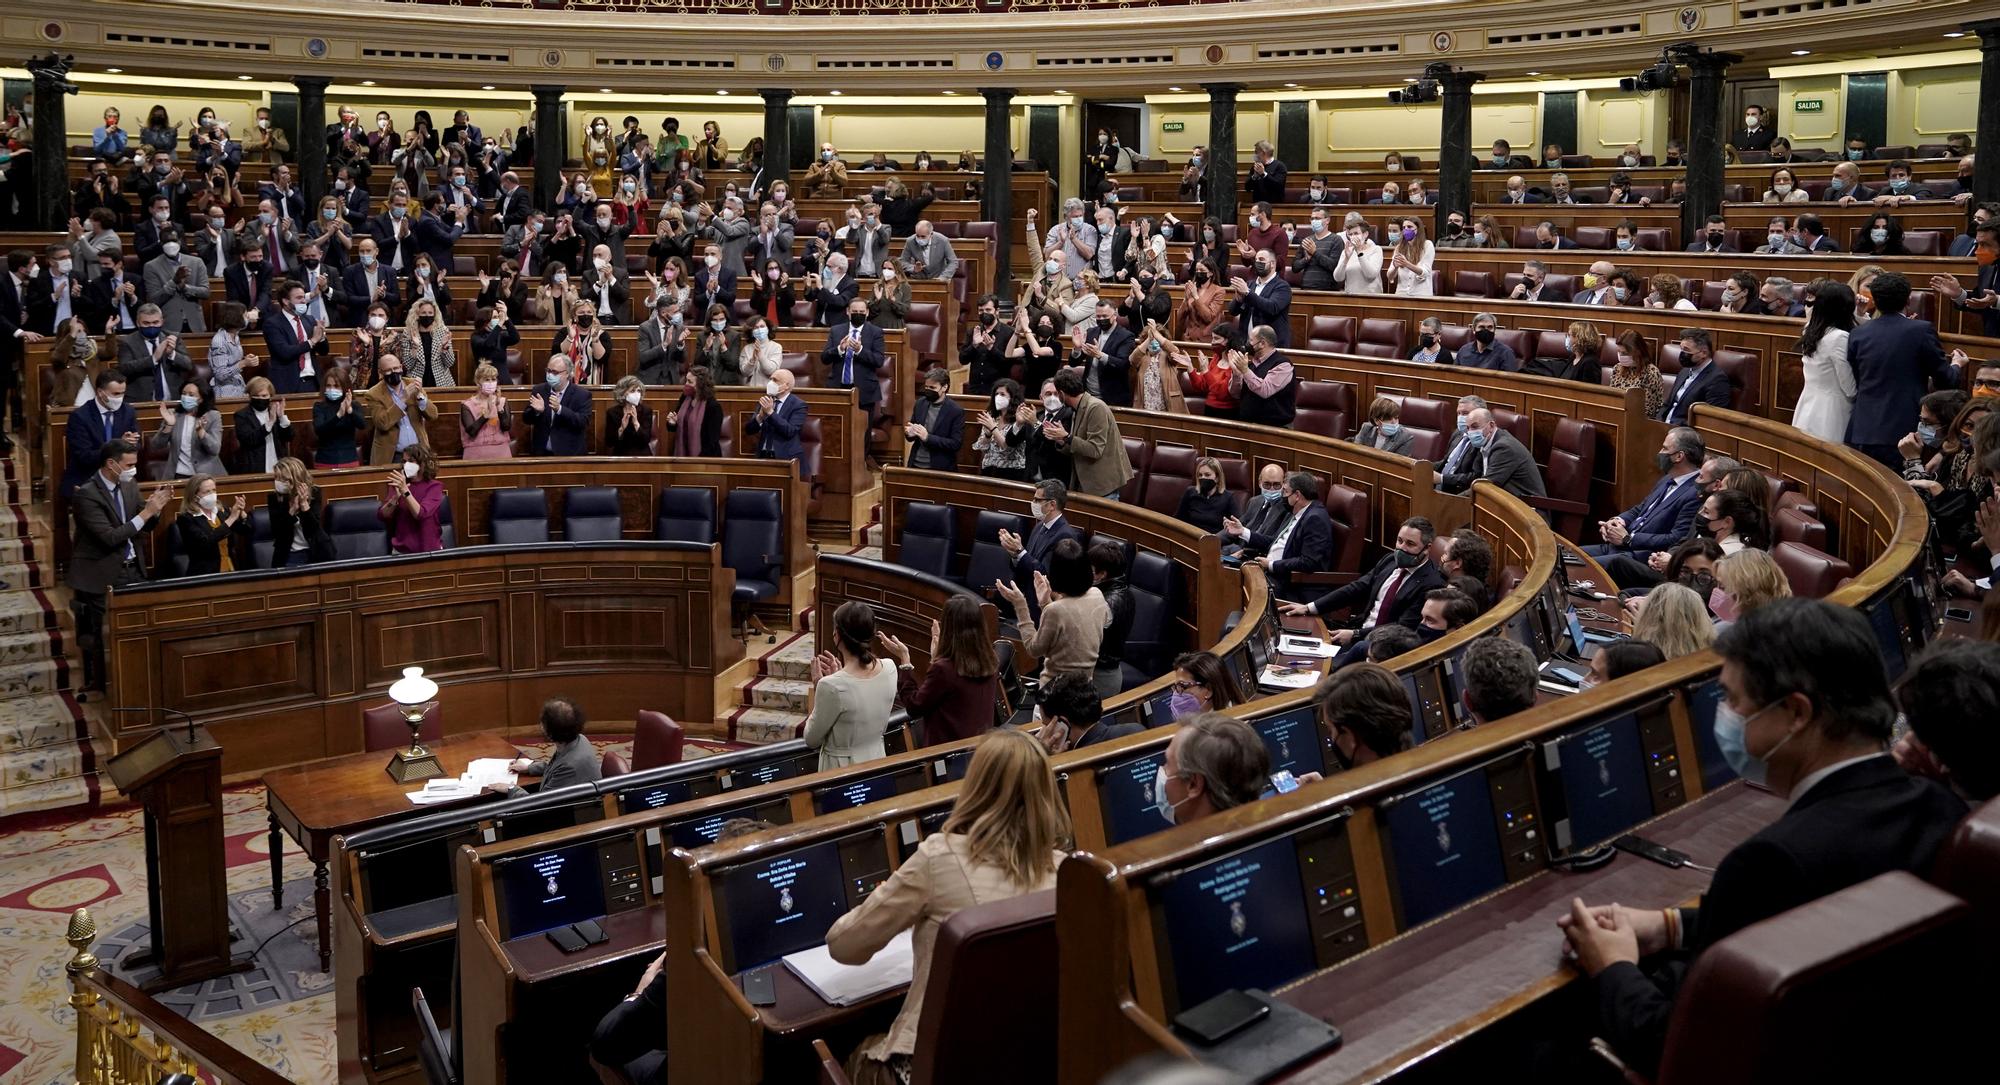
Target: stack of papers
(1279,676)
(846,984)
(1295,644)
(482,772)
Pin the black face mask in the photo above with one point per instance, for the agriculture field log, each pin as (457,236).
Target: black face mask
(1407,560)
(426,321)
(933,394)
(1454,229)
(1425,634)
(1715,237)
(260,404)
(1201,276)
(1427,340)
(986,319)
(1664,461)
(393,379)
(1206,486)
(583,320)
(1485,336)
(1103,325)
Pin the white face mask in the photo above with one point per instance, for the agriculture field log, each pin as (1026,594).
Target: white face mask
(411,469)
(1037,509)
(112,403)
(633,398)
(489,387)
(128,474)
(1052,401)
(208,502)
(599,262)
(711,261)
(771,389)
(1001,402)
(1162,805)
(282,487)
(378,322)
(171,249)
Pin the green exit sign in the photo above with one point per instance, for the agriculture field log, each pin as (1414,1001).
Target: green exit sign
(1173,126)
(1807,105)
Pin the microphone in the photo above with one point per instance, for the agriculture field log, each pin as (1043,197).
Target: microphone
(175,711)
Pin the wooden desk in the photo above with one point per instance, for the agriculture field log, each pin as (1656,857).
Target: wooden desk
(318,801)
(1441,983)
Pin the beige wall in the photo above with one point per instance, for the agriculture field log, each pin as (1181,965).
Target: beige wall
(1607,119)
(1255,120)
(1822,130)
(1928,104)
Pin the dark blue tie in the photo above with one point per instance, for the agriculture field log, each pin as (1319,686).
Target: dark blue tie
(118,499)
(847,367)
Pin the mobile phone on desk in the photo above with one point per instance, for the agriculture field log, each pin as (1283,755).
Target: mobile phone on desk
(1221,1017)
(759,988)
(1284,781)
(567,940)
(591,933)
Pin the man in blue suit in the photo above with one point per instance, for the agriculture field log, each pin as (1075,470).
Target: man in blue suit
(1662,520)
(1702,381)
(1031,555)
(559,413)
(1303,543)
(292,337)
(780,417)
(436,236)
(1896,359)
(105,417)
(853,353)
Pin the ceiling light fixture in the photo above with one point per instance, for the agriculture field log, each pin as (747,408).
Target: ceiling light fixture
(367,82)
(1175,90)
(722,92)
(486,86)
(1801,52)
(113,71)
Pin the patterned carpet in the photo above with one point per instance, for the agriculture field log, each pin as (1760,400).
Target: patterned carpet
(281,1014)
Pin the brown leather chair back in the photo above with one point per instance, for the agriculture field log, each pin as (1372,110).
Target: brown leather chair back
(383,728)
(1472,284)
(1791,525)
(1326,408)
(989,1015)
(1594,237)
(1768,1002)
(1651,238)
(1348,509)
(1383,338)
(1812,573)
(1969,866)
(1167,478)
(1572,459)
(1334,334)
(656,740)
(612,764)
(1140,454)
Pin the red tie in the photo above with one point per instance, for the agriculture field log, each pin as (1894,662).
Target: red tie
(1389,597)
(277,254)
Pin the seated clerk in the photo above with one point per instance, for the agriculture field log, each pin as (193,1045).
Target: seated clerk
(1214,762)
(1003,839)
(1666,515)
(1391,594)
(1302,543)
(1501,678)
(1263,510)
(1031,555)
(1951,696)
(623,1046)
(954,697)
(1073,716)
(1368,712)
(572,761)
(1807,711)
(1072,619)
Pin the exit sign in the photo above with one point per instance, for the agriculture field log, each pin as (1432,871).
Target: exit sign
(1806,105)
(1173,126)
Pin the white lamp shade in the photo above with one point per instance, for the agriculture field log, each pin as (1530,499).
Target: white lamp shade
(413,688)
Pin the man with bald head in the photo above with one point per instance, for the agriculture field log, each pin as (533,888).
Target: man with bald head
(780,417)
(927,255)
(1496,456)
(1597,284)
(1265,300)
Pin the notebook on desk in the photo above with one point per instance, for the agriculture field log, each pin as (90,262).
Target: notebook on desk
(846,984)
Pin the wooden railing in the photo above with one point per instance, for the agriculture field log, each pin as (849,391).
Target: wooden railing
(124,1037)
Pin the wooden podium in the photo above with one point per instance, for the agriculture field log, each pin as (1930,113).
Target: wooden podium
(176,775)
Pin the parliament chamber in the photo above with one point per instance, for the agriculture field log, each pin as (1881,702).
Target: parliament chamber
(704,542)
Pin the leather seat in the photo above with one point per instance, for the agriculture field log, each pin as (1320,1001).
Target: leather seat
(260,536)
(1791,525)
(656,740)
(929,539)
(1900,150)
(1347,508)
(988,561)
(1740,366)
(1435,414)
(1651,238)
(1756,1006)
(1572,459)
(1472,284)
(383,727)
(1453,336)
(753,542)
(1140,453)
(1547,343)
(1593,237)
(612,764)
(987,230)
(356,531)
(591,514)
(1152,644)
(519,515)
(1812,573)
(1168,478)
(925,331)
(1516,340)
(687,514)
(1969,866)
(1333,334)
(1325,408)
(1924,242)
(1383,338)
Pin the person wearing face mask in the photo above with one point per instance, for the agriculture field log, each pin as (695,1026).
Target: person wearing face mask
(1066,629)
(779,418)
(1300,541)
(852,355)
(663,342)
(1102,349)
(954,696)
(1072,243)
(985,349)
(1498,457)
(559,412)
(1714,237)
(176,282)
(1518,191)
(628,424)
(1949,695)
(1205,302)
(1265,300)
(1964,245)
(104,417)
(365,284)
(1807,711)
(247,281)
(399,412)
(1213,763)
(1384,428)
(1358,268)
(607,285)
(1391,593)
(1485,350)
(1667,514)
(1744,581)
(889,299)
(1367,712)
(1203,684)
(1005,429)
(1756,133)
(153,360)
(1900,189)
(598,153)
(599,225)
(1896,358)
(937,426)
(1984,296)
(1265,182)
(208,529)
(188,440)
(1207,501)
(1319,254)
(1047,458)
(411,500)
(109,518)
(296,340)
(585,342)
(694,426)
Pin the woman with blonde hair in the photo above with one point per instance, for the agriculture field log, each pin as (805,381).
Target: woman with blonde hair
(628,422)
(298,517)
(1004,838)
(1083,304)
(1745,581)
(425,347)
(330,230)
(1674,621)
(485,425)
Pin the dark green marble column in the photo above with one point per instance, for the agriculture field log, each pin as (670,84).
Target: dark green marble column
(1706,132)
(309,142)
(549,141)
(1221,164)
(1454,191)
(777,136)
(996,198)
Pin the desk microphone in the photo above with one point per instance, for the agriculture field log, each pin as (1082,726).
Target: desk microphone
(175,711)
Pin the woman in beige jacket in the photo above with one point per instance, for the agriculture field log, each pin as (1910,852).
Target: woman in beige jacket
(1003,840)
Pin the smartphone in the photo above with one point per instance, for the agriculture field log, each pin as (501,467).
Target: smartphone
(1221,1017)
(759,988)
(1646,849)
(1284,781)
(567,940)
(1957,614)
(591,932)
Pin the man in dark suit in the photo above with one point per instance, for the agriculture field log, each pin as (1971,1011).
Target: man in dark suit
(985,351)
(355,199)
(559,413)
(1662,520)
(1984,297)
(1702,381)
(153,361)
(1896,359)
(392,231)
(435,234)
(293,338)
(1518,191)
(289,201)
(831,291)
(1391,594)
(14,327)
(364,282)
(1757,131)
(780,417)
(1103,350)
(1266,181)
(1812,234)
(1549,236)
(714,283)
(1806,708)
(109,516)
(852,354)
(1303,543)
(937,426)
(514,202)
(1496,456)
(247,282)
(1560,191)
(104,418)
(1266,299)
(1031,555)
(1264,508)
(1714,237)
